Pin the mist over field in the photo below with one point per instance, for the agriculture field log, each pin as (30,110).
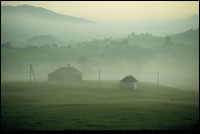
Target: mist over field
(41,40)
(116,49)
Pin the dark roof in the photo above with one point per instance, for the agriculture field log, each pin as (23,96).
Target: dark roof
(68,69)
(129,78)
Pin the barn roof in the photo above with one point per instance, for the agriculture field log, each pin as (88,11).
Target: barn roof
(68,69)
(129,78)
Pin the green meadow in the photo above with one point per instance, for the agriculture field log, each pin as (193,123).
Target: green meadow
(85,106)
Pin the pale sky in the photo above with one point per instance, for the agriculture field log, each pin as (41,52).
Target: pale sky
(120,11)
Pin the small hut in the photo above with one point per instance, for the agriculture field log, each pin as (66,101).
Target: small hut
(129,82)
(65,74)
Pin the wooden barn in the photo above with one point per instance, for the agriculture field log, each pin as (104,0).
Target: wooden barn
(65,74)
(129,82)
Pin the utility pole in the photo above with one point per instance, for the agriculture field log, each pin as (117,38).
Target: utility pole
(139,72)
(158,79)
(31,71)
(34,76)
(99,78)
(30,74)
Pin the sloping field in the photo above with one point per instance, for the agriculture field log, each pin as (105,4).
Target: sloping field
(84,106)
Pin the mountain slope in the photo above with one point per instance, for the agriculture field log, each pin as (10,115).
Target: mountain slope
(20,23)
(38,12)
(188,37)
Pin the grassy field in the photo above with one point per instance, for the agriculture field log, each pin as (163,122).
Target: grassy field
(83,106)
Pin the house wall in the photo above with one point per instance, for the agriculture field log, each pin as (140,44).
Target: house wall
(127,84)
(132,85)
(135,85)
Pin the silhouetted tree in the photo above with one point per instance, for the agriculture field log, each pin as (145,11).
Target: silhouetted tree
(124,42)
(31,47)
(54,45)
(168,41)
(45,46)
(6,45)
(82,60)
(133,34)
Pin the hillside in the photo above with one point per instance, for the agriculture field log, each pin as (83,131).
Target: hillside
(146,40)
(188,37)
(20,23)
(39,13)
(43,39)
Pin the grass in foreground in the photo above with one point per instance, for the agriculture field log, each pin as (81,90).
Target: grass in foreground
(83,106)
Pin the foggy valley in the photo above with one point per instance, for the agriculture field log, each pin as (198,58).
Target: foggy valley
(49,47)
(102,52)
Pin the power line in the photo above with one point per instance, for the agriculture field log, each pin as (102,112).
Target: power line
(158,79)
(99,78)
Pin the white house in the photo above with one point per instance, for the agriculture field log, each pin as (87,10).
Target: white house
(129,82)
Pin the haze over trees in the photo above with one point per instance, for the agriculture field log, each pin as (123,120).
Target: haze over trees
(132,71)
(36,21)
(143,52)
(49,40)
